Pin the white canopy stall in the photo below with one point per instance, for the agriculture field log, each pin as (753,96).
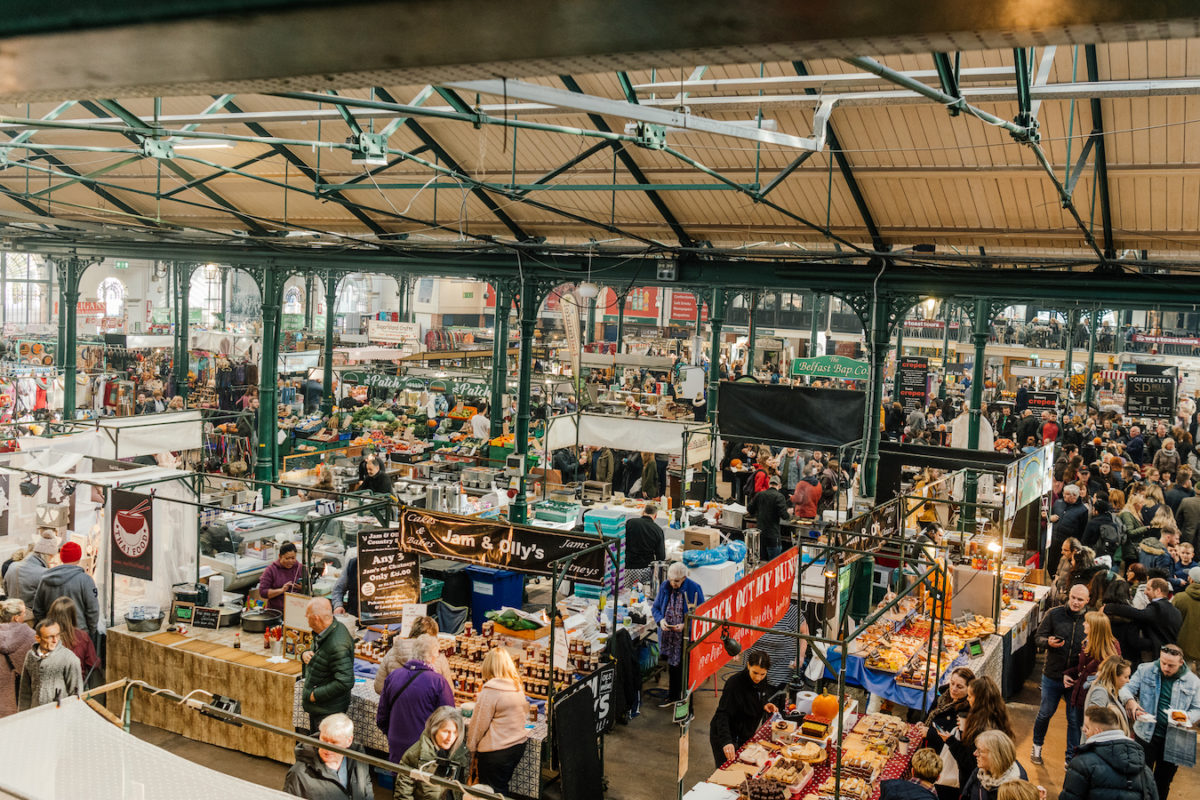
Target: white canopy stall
(69,750)
(630,433)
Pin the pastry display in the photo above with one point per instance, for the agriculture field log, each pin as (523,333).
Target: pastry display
(808,752)
(789,773)
(814,728)
(754,754)
(762,789)
(782,729)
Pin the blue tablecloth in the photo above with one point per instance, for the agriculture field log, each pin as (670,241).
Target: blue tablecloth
(884,684)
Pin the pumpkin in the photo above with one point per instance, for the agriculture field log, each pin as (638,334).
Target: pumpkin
(433,423)
(736,463)
(825,706)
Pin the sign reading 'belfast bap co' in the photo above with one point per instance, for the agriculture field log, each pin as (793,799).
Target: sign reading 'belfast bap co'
(831,367)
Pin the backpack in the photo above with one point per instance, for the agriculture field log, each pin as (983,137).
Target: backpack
(1112,535)
(753,479)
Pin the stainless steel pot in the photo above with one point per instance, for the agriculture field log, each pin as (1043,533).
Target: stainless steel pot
(259,621)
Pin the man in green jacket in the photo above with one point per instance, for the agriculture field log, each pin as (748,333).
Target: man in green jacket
(329,666)
(1188,603)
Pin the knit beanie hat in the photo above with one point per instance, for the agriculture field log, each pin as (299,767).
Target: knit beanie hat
(70,553)
(46,544)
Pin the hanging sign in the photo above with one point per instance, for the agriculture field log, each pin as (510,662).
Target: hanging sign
(1185,340)
(912,373)
(379,330)
(831,367)
(761,598)
(1043,401)
(132,530)
(497,544)
(1150,395)
(375,380)
(388,578)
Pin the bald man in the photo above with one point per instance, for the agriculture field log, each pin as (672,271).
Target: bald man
(328,666)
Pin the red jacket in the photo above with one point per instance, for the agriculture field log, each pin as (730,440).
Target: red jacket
(1049,432)
(805,498)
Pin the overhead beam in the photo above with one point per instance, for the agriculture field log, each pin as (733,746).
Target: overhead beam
(310,173)
(860,200)
(632,167)
(826,81)
(57,50)
(113,107)
(449,160)
(1097,134)
(592,104)
(1170,290)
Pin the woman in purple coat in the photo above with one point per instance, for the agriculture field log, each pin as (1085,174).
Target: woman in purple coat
(281,576)
(410,694)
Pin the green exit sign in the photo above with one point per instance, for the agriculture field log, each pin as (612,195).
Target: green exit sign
(468,295)
(121,265)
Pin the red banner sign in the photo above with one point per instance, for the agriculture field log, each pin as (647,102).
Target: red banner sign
(640,304)
(760,598)
(89,307)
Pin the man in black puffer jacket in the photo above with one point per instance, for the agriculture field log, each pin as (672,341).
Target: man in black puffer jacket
(1060,634)
(1109,765)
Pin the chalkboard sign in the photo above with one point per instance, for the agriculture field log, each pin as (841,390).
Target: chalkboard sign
(206,618)
(912,373)
(1150,395)
(388,578)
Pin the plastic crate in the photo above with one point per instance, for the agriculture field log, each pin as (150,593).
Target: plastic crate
(431,590)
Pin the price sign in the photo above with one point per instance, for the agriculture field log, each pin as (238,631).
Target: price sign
(203,617)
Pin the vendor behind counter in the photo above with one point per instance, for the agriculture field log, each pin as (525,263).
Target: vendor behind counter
(281,576)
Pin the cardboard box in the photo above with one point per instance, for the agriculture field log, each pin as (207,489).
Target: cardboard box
(701,538)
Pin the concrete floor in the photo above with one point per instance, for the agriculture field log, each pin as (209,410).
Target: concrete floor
(641,758)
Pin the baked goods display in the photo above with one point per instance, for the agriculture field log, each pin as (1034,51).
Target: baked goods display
(762,789)
(808,752)
(789,773)
(782,730)
(814,728)
(754,754)
(855,788)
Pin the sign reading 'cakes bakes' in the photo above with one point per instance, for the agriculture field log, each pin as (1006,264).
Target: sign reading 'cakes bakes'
(132,535)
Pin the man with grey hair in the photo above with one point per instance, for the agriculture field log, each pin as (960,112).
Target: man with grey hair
(319,773)
(1069,518)
(410,694)
(328,666)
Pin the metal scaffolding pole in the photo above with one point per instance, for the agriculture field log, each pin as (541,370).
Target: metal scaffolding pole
(70,271)
(716,316)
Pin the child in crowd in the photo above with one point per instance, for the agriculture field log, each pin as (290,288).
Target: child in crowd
(1185,559)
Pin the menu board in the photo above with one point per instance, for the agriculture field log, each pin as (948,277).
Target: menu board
(388,578)
(912,373)
(203,617)
(1150,395)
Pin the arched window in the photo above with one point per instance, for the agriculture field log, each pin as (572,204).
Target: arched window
(111,293)
(293,300)
(204,293)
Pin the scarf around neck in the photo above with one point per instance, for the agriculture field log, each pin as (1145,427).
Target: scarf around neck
(986,780)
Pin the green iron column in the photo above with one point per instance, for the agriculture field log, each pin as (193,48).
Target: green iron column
(330,280)
(979,337)
(182,272)
(500,356)
(899,355)
(716,318)
(751,334)
(621,323)
(529,301)
(589,335)
(1093,323)
(70,270)
(947,314)
(1072,318)
(308,305)
(878,342)
(813,331)
(265,468)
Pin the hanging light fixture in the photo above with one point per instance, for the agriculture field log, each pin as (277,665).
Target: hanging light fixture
(731,645)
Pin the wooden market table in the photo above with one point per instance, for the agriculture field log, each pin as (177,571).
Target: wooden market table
(206,660)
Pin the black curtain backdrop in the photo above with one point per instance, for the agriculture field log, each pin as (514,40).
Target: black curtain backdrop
(758,412)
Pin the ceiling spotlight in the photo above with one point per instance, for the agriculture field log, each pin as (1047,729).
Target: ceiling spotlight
(732,647)
(587,290)
(29,486)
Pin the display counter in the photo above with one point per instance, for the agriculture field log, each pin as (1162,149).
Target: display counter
(861,775)
(206,660)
